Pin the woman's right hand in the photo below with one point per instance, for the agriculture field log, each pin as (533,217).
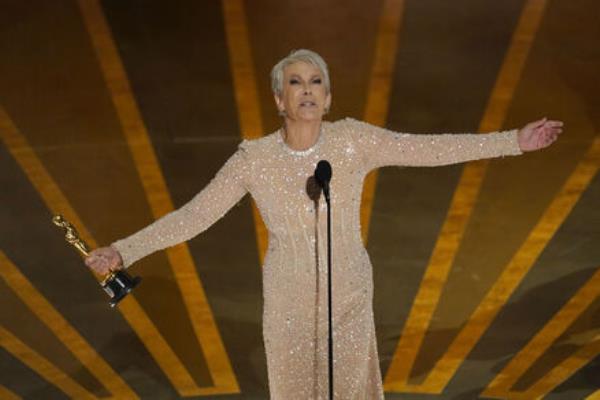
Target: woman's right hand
(104,260)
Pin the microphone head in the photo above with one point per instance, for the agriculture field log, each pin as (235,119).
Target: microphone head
(323,172)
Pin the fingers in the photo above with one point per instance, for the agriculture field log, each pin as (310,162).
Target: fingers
(555,124)
(550,131)
(548,123)
(549,136)
(103,260)
(98,264)
(553,128)
(539,122)
(534,126)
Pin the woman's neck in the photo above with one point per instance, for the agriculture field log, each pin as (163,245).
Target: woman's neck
(301,135)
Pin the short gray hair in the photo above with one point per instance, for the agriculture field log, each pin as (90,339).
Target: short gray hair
(302,55)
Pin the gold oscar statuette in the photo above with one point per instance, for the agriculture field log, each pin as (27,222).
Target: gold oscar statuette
(117,283)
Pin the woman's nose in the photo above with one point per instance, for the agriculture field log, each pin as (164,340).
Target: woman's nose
(306,89)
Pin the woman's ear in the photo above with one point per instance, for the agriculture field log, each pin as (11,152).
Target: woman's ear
(279,103)
(328,101)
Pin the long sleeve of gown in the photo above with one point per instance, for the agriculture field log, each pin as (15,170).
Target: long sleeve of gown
(381,147)
(224,190)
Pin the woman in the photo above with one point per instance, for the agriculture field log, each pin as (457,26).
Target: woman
(276,170)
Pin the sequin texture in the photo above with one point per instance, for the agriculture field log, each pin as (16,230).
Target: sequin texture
(295,266)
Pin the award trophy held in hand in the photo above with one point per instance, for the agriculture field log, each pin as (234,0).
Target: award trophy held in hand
(117,283)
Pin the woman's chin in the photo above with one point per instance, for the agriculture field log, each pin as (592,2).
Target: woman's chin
(310,115)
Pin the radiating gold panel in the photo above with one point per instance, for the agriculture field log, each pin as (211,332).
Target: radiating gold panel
(378,94)
(57,203)
(594,396)
(542,341)
(554,377)
(516,269)
(67,334)
(246,92)
(6,394)
(459,213)
(564,370)
(42,366)
(160,203)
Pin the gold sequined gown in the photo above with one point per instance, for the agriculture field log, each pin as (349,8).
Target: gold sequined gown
(295,266)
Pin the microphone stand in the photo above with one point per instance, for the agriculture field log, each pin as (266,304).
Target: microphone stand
(329,311)
(323,176)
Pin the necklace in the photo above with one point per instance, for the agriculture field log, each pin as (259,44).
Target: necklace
(281,139)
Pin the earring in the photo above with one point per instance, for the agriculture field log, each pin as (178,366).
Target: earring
(282,113)
(326,110)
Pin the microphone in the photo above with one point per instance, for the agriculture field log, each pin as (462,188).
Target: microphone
(323,176)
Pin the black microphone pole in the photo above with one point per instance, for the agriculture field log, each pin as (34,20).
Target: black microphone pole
(323,176)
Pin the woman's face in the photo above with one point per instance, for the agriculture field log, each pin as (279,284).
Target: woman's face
(303,95)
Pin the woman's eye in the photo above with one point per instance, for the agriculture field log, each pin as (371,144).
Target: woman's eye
(294,81)
(317,81)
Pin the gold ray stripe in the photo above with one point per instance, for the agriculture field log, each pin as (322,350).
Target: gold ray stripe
(553,217)
(58,204)
(564,370)
(7,394)
(160,203)
(576,305)
(594,396)
(242,69)
(69,337)
(246,92)
(42,366)
(459,213)
(378,95)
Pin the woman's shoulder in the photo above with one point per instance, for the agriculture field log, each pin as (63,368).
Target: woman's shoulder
(260,144)
(349,124)
(352,129)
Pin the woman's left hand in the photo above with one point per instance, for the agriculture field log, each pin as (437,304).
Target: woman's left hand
(539,134)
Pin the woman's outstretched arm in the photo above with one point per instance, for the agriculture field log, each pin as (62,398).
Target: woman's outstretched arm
(227,187)
(381,147)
